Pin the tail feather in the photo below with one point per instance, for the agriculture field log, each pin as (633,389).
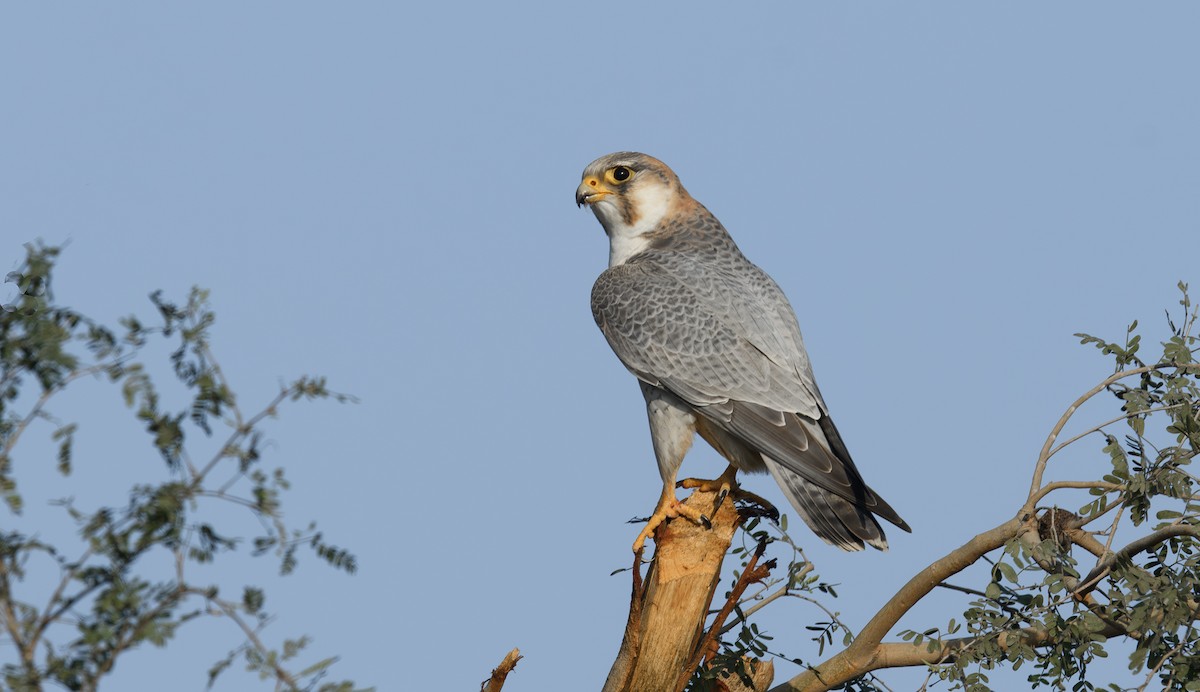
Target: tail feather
(834,519)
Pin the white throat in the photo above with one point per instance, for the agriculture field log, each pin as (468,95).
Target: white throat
(650,203)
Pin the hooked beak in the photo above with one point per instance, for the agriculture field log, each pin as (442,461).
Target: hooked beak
(590,191)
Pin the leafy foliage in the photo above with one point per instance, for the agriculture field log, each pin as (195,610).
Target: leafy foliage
(737,655)
(104,600)
(1043,609)
(1062,587)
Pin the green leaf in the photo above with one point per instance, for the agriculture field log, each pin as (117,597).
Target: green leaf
(318,666)
(253,599)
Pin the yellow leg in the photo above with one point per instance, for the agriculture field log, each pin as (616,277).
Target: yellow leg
(668,507)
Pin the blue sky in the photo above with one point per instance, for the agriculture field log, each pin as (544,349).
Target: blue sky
(382,193)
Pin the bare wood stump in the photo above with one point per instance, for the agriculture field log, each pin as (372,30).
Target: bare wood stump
(667,610)
(495,682)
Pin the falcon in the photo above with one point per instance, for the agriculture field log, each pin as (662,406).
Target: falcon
(717,351)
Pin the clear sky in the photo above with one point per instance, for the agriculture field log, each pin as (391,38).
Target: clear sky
(383,193)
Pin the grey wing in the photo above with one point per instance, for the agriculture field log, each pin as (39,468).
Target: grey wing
(727,343)
(700,336)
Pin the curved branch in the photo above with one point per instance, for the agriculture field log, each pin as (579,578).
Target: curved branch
(904,654)
(862,655)
(239,433)
(928,579)
(1048,449)
(929,652)
(1057,485)
(1107,423)
(1104,566)
(230,611)
(867,653)
(50,614)
(40,404)
(129,638)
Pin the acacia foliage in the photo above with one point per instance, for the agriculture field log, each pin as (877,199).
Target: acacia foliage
(105,602)
(1107,564)
(1124,564)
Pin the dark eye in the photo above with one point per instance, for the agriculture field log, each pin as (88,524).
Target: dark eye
(621,174)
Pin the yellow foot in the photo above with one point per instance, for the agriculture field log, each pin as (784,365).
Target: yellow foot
(723,484)
(668,508)
(726,485)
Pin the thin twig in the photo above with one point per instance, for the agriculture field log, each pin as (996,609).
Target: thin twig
(963,589)
(1118,419)
(1084,521)
(230,610)
(47,394)
(1104,566)
(241,432)
(169,601)
(207,354)
(1057,485)
(1112,531)
(1166,657)
(51,616)
(1048,448)
(707,647)
(784,590)
(11,623)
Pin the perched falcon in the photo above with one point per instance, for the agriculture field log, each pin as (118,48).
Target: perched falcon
(716,349)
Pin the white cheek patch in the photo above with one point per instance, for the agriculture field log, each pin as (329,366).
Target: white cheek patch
(650,203)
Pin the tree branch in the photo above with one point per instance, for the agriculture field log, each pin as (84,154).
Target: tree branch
(36,411)
(851,664)
(11,624)
(1105,565)
(230,610)
(782,591)
(1058,485)
(1107,423)
(863,653)
(707,648)
(1049,450)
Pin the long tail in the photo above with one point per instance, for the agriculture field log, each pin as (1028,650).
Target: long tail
(834,519)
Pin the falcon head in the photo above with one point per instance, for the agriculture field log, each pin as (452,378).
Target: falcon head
(631,195)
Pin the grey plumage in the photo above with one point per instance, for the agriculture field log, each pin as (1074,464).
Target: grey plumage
(715,342)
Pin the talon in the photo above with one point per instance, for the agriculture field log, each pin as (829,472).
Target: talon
(720,499)
(705,521)
(726,487)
